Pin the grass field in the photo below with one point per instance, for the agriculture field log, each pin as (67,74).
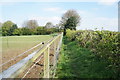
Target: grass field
(15,45)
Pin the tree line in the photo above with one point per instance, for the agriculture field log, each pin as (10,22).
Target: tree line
(30,28)
(69,20)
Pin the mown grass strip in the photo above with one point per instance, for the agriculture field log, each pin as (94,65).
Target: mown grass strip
(78,62)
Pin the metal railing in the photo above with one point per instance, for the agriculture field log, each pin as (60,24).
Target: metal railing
(45,58)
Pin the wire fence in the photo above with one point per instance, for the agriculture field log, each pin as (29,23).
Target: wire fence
(41,62)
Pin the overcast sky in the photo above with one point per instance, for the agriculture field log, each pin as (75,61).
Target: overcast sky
(94,14)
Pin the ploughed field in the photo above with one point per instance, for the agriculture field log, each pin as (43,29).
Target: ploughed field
(13,46)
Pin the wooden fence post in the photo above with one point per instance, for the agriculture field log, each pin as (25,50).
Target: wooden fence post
(54,58)
(46,63)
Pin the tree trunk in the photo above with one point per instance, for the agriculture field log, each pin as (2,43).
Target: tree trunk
(64,32)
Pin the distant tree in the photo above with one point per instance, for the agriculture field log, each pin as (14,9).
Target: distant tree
(14,26)
(0,31)
(26,31)
(31,24)
(71,23)
(70,20)
(41,30)
(57,26)
(6,28)
(33,31)
(49,25)
(50,31)
(17,32)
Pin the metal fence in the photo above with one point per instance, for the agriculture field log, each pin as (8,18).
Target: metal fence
(39,64)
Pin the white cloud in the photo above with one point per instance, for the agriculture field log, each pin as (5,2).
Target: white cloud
(54,10)
(47,0)
(81,12)
(90,20)
(107,2)
(7,3)
(0,13)
(103,2)
(107,23)
(99,22)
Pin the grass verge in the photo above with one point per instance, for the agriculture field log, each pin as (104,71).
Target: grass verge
(78,62)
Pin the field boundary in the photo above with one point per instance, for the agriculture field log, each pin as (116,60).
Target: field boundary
(43,52)
(21,54)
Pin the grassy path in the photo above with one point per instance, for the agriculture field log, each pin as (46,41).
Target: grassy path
(77,62)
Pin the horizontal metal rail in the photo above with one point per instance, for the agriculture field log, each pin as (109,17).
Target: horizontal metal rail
(12,69)
(32,67)
(19,67)
(21,54)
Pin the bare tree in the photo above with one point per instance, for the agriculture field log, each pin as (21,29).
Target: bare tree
(31,24)
(70,20)
(49,25)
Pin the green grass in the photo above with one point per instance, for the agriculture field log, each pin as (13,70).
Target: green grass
(15,45)
(16,42)
(78,62)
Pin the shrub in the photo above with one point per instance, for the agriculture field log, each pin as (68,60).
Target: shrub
(104,44)
(70,34)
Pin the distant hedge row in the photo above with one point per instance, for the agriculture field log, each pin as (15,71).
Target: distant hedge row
(27,31)
(104,44)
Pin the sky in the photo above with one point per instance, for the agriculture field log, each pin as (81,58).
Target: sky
(100,14)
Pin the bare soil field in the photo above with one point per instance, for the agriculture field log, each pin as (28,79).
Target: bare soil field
(16,45)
